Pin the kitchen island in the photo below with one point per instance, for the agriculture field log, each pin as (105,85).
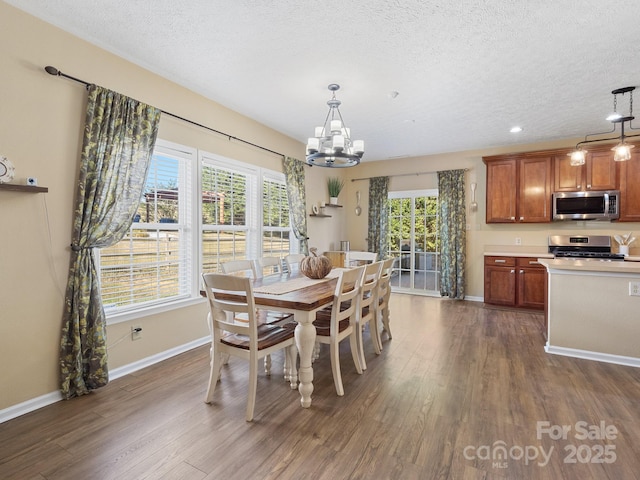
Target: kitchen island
(590,312)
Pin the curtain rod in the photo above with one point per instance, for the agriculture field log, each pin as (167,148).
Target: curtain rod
(54,71)
(410,174)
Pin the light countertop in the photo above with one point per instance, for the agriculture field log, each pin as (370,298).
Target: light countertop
(591,265)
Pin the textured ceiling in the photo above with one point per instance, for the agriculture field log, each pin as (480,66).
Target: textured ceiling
(466,70)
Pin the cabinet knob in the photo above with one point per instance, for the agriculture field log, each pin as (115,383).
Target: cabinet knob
(513,218)
(588,186)
(513,271)
(521,218)
(578,186)
(521,272)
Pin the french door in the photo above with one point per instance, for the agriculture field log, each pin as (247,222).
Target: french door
(414,242)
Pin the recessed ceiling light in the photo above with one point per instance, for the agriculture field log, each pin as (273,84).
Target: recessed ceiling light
(515,129)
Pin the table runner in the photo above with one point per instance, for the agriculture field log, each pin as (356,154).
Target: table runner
(281,288)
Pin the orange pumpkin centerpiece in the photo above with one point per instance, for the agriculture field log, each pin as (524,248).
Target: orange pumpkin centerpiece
(314,265)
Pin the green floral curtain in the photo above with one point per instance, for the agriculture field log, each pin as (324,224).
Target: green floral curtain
(378,238)
(294,175)
(119,137)
(453,233)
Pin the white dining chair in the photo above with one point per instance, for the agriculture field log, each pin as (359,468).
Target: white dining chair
(354,258)
(248,269)
(340,322)
(368,308)
(250,341)
(293,261)
(384,293)
(268,266)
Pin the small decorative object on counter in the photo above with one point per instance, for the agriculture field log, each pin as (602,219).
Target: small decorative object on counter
(314,265)
(623,243)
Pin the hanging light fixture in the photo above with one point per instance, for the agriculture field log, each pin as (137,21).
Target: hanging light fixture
(622,151)
(332,145)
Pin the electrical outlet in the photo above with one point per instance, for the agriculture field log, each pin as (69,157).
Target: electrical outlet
(136,333)
(634,289)
(518,241)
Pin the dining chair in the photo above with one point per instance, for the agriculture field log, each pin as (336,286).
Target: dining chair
(358,258)
(293,261)
(250,341)
(268,266)
(340,322)
(248,269)
(384,293)
(368,309)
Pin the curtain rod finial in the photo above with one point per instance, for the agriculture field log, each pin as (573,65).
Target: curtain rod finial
(51,70)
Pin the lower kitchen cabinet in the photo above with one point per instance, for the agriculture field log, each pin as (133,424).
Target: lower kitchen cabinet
(514,282)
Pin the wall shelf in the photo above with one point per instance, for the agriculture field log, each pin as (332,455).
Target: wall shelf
(319,215)
(23,188)
(332,205)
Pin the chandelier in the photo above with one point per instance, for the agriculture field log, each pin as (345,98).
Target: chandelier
(622,150)
(332,145)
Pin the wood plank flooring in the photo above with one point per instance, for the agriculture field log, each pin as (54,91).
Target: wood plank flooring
(458,381)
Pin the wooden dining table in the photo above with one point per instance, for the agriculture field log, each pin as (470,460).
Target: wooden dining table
(302,296)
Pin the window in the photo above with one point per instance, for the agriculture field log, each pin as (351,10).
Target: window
(153,262)
(276,227)
(193,215)
(228,206)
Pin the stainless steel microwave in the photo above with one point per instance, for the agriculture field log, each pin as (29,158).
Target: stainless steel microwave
(591,205)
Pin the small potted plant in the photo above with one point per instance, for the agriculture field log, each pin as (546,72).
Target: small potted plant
(334,185)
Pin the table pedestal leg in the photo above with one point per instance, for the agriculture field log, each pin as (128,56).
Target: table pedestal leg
(305,340)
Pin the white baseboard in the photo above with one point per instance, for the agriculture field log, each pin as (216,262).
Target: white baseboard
(597,356)
(53,397)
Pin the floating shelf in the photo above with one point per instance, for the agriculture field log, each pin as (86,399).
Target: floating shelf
(23,188)
(319,215)
(332,205)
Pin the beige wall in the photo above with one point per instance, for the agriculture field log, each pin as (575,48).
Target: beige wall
(41,121)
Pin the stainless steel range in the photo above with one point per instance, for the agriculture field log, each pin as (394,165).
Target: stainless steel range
(583,247)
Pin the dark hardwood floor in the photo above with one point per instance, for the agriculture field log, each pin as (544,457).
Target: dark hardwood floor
(458,381)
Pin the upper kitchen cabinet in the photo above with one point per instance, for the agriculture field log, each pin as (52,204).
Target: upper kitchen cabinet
(629,191)
(598,173)
(518,188)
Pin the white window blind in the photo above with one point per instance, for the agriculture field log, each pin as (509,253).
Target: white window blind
(276,228)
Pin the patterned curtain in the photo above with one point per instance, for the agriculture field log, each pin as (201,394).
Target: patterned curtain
(378,239)
(453,233)
(119,137)
(294,176)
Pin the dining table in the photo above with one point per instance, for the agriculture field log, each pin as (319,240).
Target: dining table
(303,297)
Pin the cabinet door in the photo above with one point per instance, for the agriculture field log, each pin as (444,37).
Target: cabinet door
(630,189)
(531,287)
(534,199)
(601,171)
(501,191)
(500,285)
(567,178)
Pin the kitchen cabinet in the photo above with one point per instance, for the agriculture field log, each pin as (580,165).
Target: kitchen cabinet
(337,258)
(514,281)
(519,188)
(598,173)
(630,189)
